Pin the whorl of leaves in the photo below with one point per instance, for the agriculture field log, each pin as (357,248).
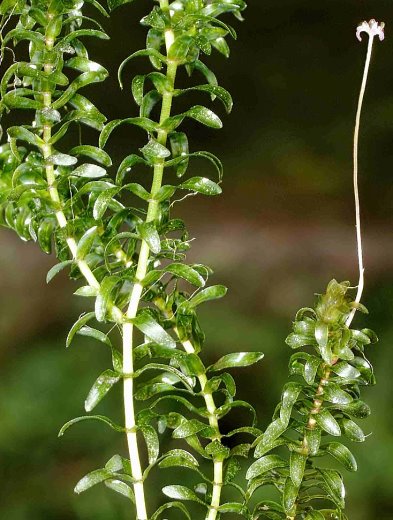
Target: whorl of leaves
(319,407)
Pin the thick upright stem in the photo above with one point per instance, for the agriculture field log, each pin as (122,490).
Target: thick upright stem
(128,362)
(51,179)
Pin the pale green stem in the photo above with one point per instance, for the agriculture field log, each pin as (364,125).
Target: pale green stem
(136,293)
(213,421)
(53,192)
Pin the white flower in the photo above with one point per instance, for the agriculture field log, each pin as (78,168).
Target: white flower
(372,28)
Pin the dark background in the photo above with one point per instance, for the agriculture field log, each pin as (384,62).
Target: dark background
(282,229)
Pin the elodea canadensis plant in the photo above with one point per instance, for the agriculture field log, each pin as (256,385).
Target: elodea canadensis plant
(117,237)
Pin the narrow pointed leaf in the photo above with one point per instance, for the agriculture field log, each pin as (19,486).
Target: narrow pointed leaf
(265,464)
(121,487)
(150,235)
(210,293)
(237,359)
(89,171)
(100,388)
(327,422)
(181,493)
(153,330)
(297,465)
(201,185)
(334,485)
(342,454)
(91,479)
(56,269)
(85,318)
(100,418)
(187,273)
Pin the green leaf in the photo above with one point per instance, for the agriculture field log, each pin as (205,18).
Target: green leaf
(232,507)
(269,508)
(342,454)
(94,333)
(371,334)
(53,271)
(149,234)
(205,116)
(179,49)
(85,318)
(297,465)
(180,149)
(288,399)
(138,190)
(265,464)
(334,485)
(181,493)
(153,330)
(93,153)
(210,293)
(171,505)
(333,393)
(201,185)
(206,72)
(113,4)
(89,171)
(357,409)
(120,487)
(215,91)
(327,422)
(22,134)
(151,53)
(345,370)
(232,469)
(118,463)
(188,428)
(164,193)
(104,298)
(298,340)
(289,495)
(187,273)
(100,388)
(100,418)
(153,151)
(311,368)
(360,337)
(91,479)
(126,166)
(353,431)
(237,359)
(272,432)
(141,122)
(86,242)
(217,450)
(102,202)
(62,159)
(322,337)
(313,439)
(152,442)
(81,81)
(179,458)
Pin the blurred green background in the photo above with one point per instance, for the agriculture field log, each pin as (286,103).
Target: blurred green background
(282,229)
